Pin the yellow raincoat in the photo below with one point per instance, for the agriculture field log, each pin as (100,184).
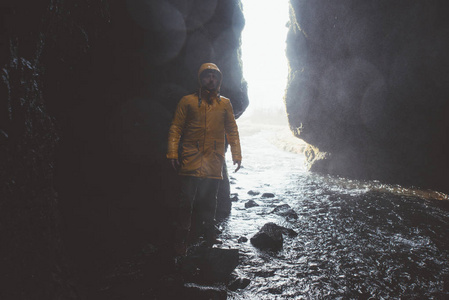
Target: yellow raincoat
(203,123)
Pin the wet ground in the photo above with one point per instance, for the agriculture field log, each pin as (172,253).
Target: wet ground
(356,240)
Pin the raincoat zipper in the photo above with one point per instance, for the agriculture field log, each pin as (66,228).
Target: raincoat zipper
(204,140)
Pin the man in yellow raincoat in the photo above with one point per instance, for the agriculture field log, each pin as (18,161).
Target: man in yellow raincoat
(201,121)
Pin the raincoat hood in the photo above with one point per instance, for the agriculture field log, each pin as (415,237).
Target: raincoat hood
(210,66)
(204,93)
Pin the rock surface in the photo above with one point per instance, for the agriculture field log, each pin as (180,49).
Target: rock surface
(270,237)
(253,193)
(368,88)
(267,195)
(285,210)
(87,95)
(251,203)
(212,264)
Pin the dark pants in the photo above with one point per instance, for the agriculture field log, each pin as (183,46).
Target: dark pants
(198,195)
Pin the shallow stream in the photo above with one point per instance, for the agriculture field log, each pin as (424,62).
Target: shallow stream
(356,240)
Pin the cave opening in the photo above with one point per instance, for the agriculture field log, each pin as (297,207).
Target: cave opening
(264,60)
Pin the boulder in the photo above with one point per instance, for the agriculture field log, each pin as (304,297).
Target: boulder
(251,203)
(269,237)
(285,210)
(267,195)
(242,239)
(210,265)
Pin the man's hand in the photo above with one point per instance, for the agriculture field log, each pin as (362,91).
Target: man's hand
(238,162)
(174,164)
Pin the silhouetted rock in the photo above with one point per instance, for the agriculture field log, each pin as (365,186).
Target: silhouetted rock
(242,239)
(368,88)
(253,193)
(210,265)
(87,94)
(267,195)
(251,203)
(285,210)
(265,273)
(289,232)
(268,237)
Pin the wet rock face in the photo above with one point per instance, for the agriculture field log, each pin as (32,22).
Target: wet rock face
(270,237)
(368,88)
(178,36)
(87,93)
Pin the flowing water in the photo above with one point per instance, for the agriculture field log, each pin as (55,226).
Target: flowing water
(356,239)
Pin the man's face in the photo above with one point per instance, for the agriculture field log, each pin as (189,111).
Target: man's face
(209,79)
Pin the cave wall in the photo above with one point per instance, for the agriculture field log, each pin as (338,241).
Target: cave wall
(368,88)
(86,99)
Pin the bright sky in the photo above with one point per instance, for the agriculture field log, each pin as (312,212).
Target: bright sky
(263,52)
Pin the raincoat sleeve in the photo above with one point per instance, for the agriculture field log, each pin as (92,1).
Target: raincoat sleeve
(232,133)
(176,128)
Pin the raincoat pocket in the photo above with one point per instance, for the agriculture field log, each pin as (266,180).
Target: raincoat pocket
(190,155)
(219,149)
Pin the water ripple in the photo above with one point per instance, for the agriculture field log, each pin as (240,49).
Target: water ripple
(356,239)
